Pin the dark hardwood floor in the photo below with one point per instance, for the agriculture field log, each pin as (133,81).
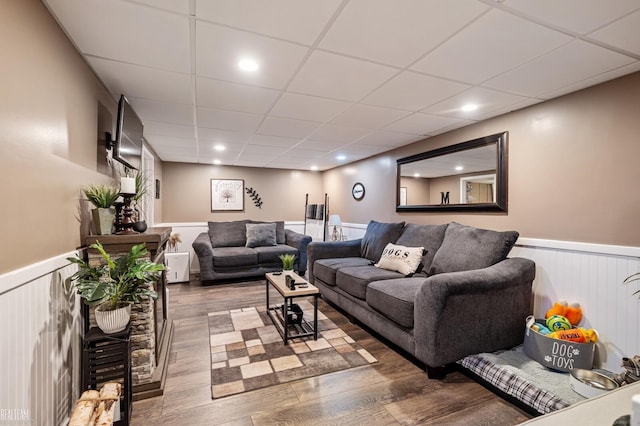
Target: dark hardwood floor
(391,392)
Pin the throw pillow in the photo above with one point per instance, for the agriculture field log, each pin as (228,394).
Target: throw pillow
(228,234)
(466,248)
(400,258)
(376,238)
(261,234)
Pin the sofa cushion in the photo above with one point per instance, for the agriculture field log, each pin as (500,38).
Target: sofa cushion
(261,234)
(269,254)
(394,298)
(280,236)
(354,279)
(228,234)
(233,257)
(465,248)
(377,236)
(400,258)
(428,236)
(326,269)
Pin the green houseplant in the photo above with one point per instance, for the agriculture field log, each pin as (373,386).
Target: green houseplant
(102,197)
(287,261)
(114,285)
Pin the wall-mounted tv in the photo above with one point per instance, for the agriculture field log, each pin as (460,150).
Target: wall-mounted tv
(128,145)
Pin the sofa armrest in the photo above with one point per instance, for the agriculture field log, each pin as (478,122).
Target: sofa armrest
(462,313)
(328,250)
(300,242)
(203,249)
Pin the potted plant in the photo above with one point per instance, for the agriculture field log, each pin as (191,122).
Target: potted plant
(141,190)
(115,284)
(102,197)
(287,261)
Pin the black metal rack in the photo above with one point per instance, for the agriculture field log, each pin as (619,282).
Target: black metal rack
(105,358)
(317,212)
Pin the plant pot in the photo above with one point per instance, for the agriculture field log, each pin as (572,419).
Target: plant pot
(103,220)
(140,226)
(113,321)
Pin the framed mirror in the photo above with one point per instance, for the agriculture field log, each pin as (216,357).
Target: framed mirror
(469,176)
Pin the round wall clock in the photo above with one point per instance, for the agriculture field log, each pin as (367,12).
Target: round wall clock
(357,191)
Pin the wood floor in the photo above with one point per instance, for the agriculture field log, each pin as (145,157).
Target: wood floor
(393,391)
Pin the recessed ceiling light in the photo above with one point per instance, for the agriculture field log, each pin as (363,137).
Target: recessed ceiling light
(469,107)
(314,168)
(459,168)
(219,147)
(248,64)
(341,157)
(217,162)
(416,175)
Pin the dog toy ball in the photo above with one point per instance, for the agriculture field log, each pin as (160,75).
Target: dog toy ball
(558,322)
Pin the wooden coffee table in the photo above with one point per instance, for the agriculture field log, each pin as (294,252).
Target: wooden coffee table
(278,312)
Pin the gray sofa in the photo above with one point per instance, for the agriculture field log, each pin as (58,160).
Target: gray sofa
(465,297)
(247,248)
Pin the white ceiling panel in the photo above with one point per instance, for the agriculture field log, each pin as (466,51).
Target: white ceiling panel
(339,77)
(286,127)
(580,16)
(421,124)
(576,61)
(219,49)
(495,42)
(268,18)
(338,73)
(368,116)
(228,120)
(624,33)
(234,97)
(412,91)
(143,82)
(397,32)
(486,101)
(310,108)
(127,32)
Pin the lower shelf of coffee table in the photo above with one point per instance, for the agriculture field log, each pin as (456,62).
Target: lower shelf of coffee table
(295,330)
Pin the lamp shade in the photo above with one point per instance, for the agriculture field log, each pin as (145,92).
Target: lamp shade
(334,220)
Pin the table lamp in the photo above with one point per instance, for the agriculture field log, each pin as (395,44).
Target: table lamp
(336,222)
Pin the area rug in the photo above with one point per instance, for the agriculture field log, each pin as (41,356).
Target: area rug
(248,353)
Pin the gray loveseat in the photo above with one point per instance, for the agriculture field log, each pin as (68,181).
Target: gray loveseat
(247,248)
(466,296)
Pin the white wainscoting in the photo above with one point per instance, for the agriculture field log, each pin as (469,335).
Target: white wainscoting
(41,329)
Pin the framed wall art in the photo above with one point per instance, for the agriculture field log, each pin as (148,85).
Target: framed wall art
(227,195)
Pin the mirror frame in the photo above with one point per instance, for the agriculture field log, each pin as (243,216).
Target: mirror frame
(500,204)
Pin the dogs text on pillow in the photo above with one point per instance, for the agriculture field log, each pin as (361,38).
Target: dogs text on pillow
(405,260)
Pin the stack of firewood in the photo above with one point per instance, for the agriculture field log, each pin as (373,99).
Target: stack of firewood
(97,408)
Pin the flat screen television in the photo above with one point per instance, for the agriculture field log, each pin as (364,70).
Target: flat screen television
(128,145)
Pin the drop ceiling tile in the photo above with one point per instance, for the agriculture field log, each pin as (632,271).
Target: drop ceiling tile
(225,137)
(513,107)
(624,34)
(219,49)
(319,145)
(273,141)
(143,82)
(334,76)
(176,158)
(340,134)
(168,129)
(228,120)
(580,16)
(397,33)
(112,30)
(494,43)
(421,124)
(302,154)
(361,151)
(177,6)
(388,139)
(286,127)
(367,116)
(270,17)
(454,126)
(567,65)
(234,96)
(311,108)
(207,149)
(170,142)
(412,91)
(487,101)
(162,111)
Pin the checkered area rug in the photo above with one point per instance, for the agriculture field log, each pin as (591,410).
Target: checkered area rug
(248,353)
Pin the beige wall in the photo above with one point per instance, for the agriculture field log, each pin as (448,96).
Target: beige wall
(418,190)
(186,193)
(49,121)
(573,170)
